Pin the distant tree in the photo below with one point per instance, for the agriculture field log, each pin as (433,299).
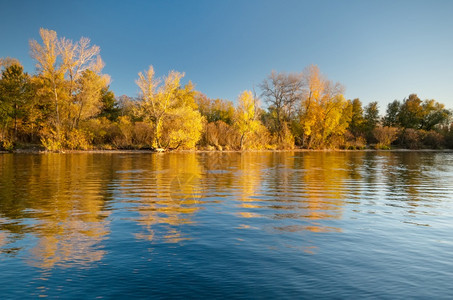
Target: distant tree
(371,119)
(282,92)
(391,116)
(416,114)
(356,125)
(110,106)
(185,123)
(14,96)
(182,128)
(411,112)
(128,106)
(215,109)
(434,113)
(6,62)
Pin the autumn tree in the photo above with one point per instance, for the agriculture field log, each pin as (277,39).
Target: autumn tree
(183,128)
(87,101)
(76,58)
(434,113)
(51,74)
(245,117)
(411,112)
(215,109)
(155,101)
(69,80)
(324,112)
(170,108)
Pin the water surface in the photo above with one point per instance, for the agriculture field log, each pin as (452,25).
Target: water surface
(261,225)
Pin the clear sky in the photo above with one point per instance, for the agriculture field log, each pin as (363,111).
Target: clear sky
(379,50)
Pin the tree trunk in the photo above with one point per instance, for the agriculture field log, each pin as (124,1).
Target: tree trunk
(242,140)
(157,133)
(15,122)
(57,113)
(75,124)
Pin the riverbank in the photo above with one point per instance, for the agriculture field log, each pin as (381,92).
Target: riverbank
(110,151)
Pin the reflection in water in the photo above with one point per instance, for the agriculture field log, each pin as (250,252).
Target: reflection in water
(323,179)
(60,208)
(165,190)
(60,201)
(248,180)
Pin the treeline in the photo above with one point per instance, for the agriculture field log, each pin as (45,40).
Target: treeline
(67,104)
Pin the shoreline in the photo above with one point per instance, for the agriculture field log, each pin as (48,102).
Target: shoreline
(132,151)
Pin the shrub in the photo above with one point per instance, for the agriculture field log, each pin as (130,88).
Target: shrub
(123,133)
(448,136)
(411,138)
(78,140)
(7,145)
(182,128)
(285,140)
(52,140)
(143,134)
(352,142)
(259,140)
(434,140)
(385,136)
(221,136)
(101,130)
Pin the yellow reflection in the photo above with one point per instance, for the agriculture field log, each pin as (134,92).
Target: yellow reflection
(323,183)
(249,215)
(67,202)
(169,195)
(318,177)
(3,238)
(248,182)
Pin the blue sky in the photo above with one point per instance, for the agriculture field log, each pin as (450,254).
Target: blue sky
(379,50)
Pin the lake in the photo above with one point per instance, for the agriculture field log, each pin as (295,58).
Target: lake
(227,225)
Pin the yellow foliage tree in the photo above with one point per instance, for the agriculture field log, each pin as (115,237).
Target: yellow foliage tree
(324,113)
(245,119)
(183,128)
(51,79)
(170,108)
(87,102)
(69,84)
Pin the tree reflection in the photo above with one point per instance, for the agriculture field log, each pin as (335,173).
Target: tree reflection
(321,189)
(166,194)
(248,184)
(408,176)
(64,197)
(63,202)
(299,191)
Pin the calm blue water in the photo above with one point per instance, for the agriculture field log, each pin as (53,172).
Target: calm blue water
(227,225)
